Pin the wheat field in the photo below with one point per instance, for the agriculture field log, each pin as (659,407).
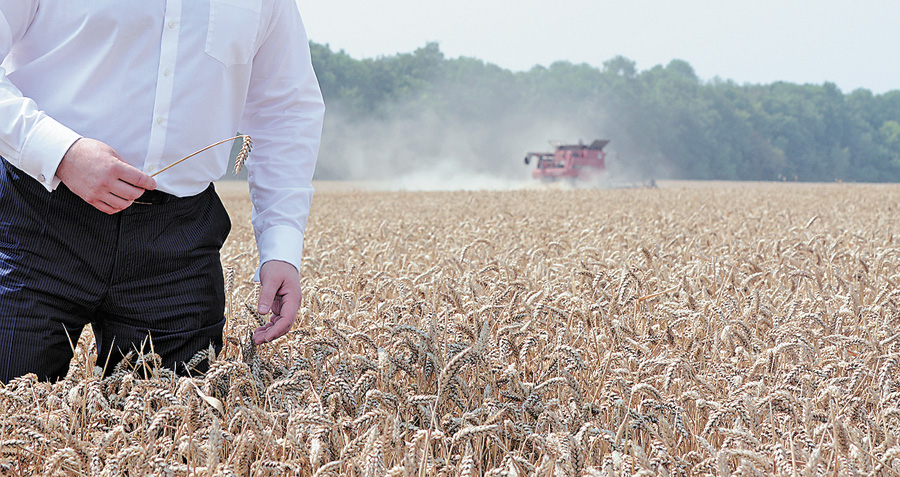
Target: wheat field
(695,329)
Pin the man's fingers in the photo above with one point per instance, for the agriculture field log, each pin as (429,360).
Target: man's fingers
(95,172)
(137,178)
(112,204)
(280,293)
(258,333)
(272,330)
(285,307)
(104,207)
(267,295)
(126,191)
(290,305)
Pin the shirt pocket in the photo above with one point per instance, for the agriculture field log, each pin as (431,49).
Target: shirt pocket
(233,28)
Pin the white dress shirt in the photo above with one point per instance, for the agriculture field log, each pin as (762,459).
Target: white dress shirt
(160,79)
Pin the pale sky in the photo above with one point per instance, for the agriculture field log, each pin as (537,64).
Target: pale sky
(852,44)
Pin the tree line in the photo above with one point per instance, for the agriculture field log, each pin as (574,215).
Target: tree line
(663,122)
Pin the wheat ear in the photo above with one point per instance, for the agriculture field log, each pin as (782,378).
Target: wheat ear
(239,162)
(244,154)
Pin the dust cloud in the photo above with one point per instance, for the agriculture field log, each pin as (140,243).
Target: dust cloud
(416,149)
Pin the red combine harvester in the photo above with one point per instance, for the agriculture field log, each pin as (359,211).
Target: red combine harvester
(570,161)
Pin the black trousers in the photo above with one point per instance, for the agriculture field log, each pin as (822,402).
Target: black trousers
(152,270)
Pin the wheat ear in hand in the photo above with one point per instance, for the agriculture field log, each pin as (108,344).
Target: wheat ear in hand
(238,163)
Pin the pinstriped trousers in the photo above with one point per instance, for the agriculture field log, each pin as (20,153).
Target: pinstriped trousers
(150,270)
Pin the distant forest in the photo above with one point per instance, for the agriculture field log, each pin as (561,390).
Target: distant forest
(407,111)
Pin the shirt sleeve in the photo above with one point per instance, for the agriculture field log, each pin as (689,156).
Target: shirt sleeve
(29,139)
(283,115)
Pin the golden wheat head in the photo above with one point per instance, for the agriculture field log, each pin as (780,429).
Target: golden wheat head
(244,154)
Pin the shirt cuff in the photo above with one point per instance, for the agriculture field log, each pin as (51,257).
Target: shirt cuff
(44,149)
(279,243)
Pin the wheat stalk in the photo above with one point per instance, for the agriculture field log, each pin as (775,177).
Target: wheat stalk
(242,156)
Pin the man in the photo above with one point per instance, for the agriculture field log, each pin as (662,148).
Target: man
(94,98)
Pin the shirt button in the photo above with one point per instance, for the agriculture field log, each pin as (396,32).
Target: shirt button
(167,72)
(151,169)
(172,24)
(41,178)
(159,120)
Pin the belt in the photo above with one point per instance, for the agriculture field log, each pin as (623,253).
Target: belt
(152,197)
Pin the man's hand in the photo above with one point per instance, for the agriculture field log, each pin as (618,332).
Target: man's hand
(96,173)
(281,294)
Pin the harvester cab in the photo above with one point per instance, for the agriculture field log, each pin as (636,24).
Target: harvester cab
(569,161)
